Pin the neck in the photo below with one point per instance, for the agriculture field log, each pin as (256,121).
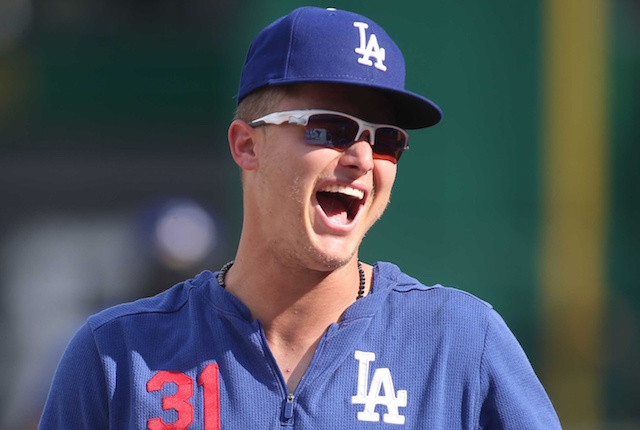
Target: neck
(277,292)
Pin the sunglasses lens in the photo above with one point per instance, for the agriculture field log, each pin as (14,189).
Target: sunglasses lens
(333,131)
(389,143)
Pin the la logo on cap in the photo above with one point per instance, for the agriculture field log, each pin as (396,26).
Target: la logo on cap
(369,49)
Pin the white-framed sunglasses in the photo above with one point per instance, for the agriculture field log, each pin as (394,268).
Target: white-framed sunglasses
(339,131)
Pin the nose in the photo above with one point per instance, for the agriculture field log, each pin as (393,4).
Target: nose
(360,154)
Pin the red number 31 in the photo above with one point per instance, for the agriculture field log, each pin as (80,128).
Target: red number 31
(179,401)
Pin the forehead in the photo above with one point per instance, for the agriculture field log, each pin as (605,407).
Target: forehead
(361,102)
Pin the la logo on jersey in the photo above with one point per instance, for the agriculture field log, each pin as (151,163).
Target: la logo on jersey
(372,396)
(369,49)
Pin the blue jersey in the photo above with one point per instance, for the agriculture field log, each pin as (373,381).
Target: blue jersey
(405,356)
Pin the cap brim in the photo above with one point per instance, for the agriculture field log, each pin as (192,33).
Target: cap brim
(412,110)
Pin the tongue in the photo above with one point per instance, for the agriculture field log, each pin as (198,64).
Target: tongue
(333,207)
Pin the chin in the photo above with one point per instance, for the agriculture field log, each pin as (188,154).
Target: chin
(335,254)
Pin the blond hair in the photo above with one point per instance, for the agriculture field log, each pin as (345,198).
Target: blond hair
(261,102)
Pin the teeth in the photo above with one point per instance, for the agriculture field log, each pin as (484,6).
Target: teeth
(342,189)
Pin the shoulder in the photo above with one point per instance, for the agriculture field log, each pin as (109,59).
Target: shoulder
(413,294)
(432,314)
(167,302)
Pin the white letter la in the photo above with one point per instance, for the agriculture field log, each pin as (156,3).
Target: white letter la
(370,49)
(381,379)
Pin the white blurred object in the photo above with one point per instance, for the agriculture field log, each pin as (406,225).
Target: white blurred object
(185,235)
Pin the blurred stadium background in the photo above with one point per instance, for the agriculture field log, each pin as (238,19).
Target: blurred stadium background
(115,179)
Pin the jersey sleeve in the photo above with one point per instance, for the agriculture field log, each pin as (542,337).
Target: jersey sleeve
(515,398)
(78,396)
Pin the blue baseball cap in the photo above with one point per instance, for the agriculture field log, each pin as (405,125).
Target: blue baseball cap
(315,45)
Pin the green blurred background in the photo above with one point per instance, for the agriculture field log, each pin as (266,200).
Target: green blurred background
(114,112)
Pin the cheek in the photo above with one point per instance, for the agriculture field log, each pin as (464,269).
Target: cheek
(383,179)
(384,175)
(283,180)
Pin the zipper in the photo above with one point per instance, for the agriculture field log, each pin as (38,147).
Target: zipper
(287,410)
(289,401)
(288,406)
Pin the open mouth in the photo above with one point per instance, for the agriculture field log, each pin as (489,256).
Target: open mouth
(340,203)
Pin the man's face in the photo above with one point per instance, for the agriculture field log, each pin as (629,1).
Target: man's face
(312,204)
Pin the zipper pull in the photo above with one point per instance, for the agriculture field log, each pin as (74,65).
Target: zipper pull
(288,407)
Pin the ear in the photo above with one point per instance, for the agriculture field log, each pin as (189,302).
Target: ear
(242,140)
